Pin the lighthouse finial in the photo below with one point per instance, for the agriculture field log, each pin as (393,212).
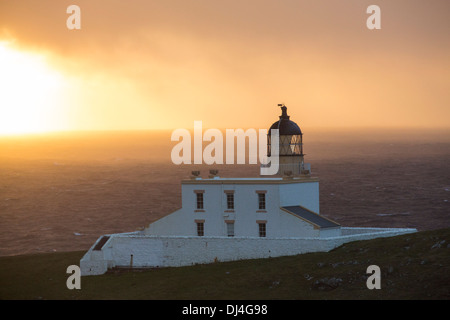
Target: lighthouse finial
(283,111)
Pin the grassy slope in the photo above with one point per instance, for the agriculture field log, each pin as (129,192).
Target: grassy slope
(410,268)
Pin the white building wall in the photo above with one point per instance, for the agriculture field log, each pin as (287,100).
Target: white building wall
(305,194)
(246,211)
(177,223)
(292,226)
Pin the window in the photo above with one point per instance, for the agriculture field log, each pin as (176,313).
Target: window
(200,229)
(199,200)
(230,229)
(262,229)
(262,201)
(230,201)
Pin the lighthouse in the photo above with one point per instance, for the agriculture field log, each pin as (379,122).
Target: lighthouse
(290,153)
(235,218)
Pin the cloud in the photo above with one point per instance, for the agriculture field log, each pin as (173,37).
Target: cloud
(191,60)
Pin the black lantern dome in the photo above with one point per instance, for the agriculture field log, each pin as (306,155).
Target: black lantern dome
(286,126)
(290,143)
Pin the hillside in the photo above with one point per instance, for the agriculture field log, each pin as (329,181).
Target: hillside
(413,266)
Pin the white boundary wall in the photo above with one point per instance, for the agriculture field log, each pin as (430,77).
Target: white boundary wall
(139,250)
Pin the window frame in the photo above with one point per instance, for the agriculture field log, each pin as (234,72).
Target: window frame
(200,225)
(262,200)
(262,229)
(230,200)
(230,224)
(199,200)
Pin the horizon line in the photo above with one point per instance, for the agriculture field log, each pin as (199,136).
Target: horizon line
(314,129)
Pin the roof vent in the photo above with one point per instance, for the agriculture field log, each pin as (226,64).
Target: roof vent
(213,173)
(195,174)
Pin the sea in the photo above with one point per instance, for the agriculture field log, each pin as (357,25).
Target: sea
(62,191)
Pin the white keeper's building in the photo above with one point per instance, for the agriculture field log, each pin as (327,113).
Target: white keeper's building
(247,207)
(225,219)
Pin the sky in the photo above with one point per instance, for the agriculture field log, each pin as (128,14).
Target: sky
(154,64)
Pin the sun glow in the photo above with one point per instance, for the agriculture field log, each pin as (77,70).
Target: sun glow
(30,93)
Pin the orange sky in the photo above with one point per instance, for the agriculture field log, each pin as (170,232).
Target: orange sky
(163,64)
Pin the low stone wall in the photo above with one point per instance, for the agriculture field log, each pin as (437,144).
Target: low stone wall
(140,250)
(347,231)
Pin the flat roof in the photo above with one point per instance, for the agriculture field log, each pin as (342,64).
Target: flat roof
(256,180)
(311,217)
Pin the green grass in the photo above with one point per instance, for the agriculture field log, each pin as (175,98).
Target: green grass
(410,269)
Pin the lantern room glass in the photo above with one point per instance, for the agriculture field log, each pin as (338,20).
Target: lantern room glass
(289,145)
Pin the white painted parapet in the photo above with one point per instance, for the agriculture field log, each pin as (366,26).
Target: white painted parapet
(140,250)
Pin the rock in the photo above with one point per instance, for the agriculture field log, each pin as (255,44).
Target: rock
(437,244)
(327,283)
(308,277)
(337,264)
